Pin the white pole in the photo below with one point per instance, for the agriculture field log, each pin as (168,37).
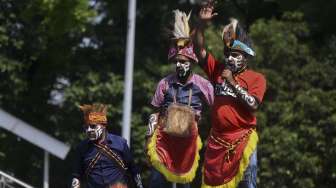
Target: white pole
(173,185)
(46,170)
(127,103)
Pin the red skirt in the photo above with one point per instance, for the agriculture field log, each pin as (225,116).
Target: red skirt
(175,157)
(226,170)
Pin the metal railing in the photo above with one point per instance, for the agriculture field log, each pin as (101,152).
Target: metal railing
(8,181)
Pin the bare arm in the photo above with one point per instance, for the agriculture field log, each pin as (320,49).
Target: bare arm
(152,124)
(205,15)
(199,41)
(247,98)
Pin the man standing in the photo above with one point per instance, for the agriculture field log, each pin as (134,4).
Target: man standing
(103,160)
(230,157)
(173,140)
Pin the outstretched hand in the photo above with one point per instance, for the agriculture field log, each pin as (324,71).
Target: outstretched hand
(207,11)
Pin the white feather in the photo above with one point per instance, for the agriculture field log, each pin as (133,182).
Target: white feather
(181,25)
(233,23)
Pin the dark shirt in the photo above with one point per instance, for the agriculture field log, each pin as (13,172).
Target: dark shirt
(105,171)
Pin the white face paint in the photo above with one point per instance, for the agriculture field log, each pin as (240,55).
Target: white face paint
(236,62)
(94,132)
(182,68)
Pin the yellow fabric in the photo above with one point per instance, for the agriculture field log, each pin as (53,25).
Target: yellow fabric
(172,177)
(244,162)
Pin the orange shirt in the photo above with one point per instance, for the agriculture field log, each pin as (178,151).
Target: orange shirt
(228,112)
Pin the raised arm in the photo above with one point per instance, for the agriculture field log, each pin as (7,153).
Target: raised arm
(204,17)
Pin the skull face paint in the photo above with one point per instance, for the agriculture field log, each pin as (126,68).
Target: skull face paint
(94,132)
(236,62)
(182,69)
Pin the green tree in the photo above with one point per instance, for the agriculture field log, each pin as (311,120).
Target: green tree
(296,117)
(37,42)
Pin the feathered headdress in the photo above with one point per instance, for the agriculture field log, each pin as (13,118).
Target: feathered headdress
(229,32)
(235,38)
(181,30)
(94,114)
(181,36)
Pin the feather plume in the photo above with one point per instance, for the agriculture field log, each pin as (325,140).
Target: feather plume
(86,109)
(181,25)
(229,31)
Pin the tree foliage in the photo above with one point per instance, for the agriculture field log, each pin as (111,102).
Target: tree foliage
(296,118)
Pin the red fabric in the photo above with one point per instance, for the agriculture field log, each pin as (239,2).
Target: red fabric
(229,114)
(230,121)
(217,169)
(177,153)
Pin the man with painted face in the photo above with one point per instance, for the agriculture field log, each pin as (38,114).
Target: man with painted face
(173,141)
(230,158)
(183,67)
(103,160)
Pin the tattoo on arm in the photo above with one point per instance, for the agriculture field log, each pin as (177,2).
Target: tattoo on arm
(246,97)
(152,123)
(75,183)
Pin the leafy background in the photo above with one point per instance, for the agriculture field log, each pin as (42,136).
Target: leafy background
(56,54)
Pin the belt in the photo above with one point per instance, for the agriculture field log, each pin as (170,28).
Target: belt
(230,147)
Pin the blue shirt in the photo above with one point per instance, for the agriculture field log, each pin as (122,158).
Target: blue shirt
(168,87)
(105,171)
